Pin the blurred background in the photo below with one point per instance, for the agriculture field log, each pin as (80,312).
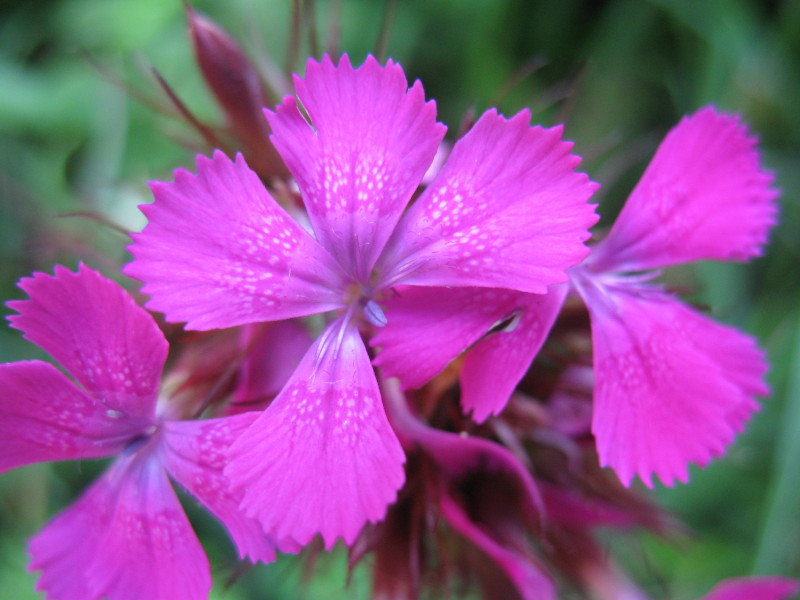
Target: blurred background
(84,125)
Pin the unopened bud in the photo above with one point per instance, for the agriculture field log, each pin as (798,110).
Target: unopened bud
(239,90)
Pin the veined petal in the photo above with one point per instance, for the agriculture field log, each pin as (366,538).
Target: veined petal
(497,363)
(673,387)
(195,453)
(44,416)
(126,538)
(507,210)
(218,251)
(704,196)
(427,327)
(365,151)
(92,326)
(754,588)
(322,457)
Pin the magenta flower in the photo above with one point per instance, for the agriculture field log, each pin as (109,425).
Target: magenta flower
(754,588)
(672,386)
(127,537)
(507,210)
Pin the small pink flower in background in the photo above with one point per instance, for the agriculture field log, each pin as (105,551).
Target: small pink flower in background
(672,386)
(127,536)
(507,210)
(754,588)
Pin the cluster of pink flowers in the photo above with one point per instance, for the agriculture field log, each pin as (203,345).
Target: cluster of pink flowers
(418,292)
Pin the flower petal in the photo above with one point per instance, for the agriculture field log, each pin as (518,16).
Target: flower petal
(44,416)
(369,143)
(526,576)
(497,363)
(218,251)
(427,327)
(673,387)
(507,210)
(195,453)
(274,351)
(704,196)
(754,588)
(322,458)
(90,325)
(126,538)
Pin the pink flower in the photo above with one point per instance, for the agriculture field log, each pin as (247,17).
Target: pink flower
(672,387)
(754,588)
(507,210)
(127,536)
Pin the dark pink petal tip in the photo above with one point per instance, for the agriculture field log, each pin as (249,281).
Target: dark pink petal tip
(704,196)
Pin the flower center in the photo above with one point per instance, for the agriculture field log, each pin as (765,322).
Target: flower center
(359,300)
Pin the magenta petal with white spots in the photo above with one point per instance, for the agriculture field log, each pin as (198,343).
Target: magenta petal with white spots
(754,588)
(218,251)
(369,143)
(497,363)
(427,327)
(45,416)
(126,538)
(704,196)
(92,326)
(195,454)
(507,210)
(322,457)
(673,387)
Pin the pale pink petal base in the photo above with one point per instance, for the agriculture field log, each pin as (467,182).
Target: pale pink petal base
(673,387)
(127,538)
(195,454)
(704,196)
(92,326)
(369,143)
(218,251)
(322,458)
(754,588)
(45,416)
(507,210)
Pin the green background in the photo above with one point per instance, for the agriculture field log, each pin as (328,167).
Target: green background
(619,73)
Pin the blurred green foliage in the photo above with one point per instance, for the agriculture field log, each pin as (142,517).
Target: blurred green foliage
(618,73)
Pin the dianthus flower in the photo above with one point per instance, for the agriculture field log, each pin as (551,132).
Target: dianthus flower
(507,210)
(672,386)
(127,536)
